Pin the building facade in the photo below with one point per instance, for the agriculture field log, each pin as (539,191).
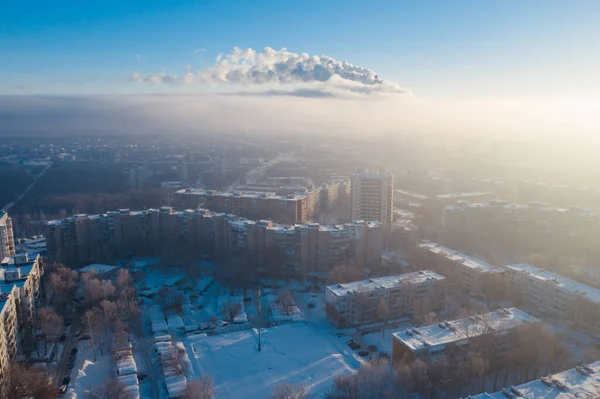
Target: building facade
(384,298)
(467,275)
(452,340)
(7,240)
(553,294)
(307,250)
(372,196)
(20,295)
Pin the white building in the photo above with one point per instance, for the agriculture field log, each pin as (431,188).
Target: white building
(548,292)
(580,382)
(384,298)
(7,240)
(372,196)
(449,339)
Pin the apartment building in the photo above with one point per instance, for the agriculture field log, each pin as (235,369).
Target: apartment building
(7,240)
(550,293)
(299,206)
(467,275)
(307,250)
(451,340)
(384,298)
(372,196)
(19,297)
(582,381)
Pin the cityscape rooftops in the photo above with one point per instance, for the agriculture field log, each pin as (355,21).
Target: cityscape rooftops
(456,331)
(566,284)
(245,194)
(373,284)
(460,258)
(574,384)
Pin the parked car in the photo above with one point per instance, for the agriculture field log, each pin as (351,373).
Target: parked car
(77,333)
(66,380)
(141,375)
(70,365)
(62,389)
(73,351)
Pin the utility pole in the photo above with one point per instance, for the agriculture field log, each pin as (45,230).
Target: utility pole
(259,313)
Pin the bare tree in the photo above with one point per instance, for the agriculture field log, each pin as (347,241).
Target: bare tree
(344,274)
(200,388)
(111,389)
(372,380)
(51,324)
(383,313)
(90,320)
(23,382)
(287,301)
(290,391)
(124,279)
(171,299)
(231,309)
(62,283)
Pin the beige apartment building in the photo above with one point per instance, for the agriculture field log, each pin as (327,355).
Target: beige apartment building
(300,206)
(549,293)
(7,240)
(452,340)
(372,196)
(467,275)
(384,298)
(19,297)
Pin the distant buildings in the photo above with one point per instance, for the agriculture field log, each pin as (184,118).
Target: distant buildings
(7,240)
(293,207)
(303,250)
(582,381)
(372,196)
(548,292)
(466,274)
(452,340)
(19,297)
(384,298)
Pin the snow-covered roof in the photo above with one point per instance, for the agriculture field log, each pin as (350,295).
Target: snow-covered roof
(564,283)
(576,383)
(388,282)
(458,330)
(460,258)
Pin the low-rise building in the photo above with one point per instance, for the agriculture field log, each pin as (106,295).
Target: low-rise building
(547,292)
(451,340)
(384,298)
(580,382)
(466,274)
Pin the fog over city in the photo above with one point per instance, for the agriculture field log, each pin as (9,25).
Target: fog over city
(300,200)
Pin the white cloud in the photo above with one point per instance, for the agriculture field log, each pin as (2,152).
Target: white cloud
(252,69)
(199,50)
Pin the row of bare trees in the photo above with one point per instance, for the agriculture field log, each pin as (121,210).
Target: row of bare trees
(109,308)
(27,382)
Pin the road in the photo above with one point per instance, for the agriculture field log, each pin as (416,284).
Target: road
(143,347)
(27,190)
(71,341)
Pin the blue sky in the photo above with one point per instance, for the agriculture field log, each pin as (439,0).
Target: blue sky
(438,49)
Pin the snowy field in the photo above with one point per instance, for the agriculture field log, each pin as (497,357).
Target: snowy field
(292,353)
(88,372)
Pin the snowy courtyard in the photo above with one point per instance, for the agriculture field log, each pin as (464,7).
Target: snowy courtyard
(293,353)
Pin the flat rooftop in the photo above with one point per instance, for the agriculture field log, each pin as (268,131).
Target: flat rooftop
(462,329)
(373,284)
(240,194)
(461,258)
(577,386)
(566,284)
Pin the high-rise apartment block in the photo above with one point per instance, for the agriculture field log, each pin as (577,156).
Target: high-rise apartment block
(466,274)
(307,250)
(19,297)
(7,240)
(372,196)
(384,298)
(551,293)
(453,339)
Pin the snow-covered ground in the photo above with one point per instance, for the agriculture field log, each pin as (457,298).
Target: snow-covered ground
(88,373)
(293,353)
